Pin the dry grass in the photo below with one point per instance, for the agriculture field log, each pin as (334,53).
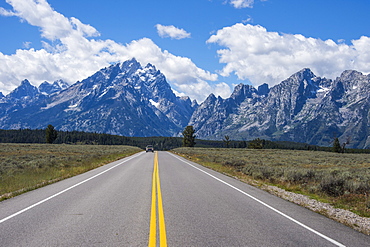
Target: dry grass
(341,179)
(24,167)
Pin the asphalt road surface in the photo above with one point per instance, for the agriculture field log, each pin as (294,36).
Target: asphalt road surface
(159,199)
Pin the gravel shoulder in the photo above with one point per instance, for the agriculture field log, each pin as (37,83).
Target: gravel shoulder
(361,224)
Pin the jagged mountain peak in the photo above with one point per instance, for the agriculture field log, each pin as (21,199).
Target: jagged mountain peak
(210,98)
(62,84)
(348,75)
(25,90)
(353,80)
(301,85)
(263,89)
(130,71)
(242,91)
(185,98)
(305,73)
(114,74)
(305,76)
(194,104)
(147,81)
(150,66)
(149,74)
(130,66)
(26,83)
(352,85)
(47,88)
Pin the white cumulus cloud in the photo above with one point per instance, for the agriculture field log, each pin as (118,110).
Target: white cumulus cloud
(53,25)
(5,12)
(252,52)
(72,53)
(202,89)
(239,4)
(171,32)
(242,3)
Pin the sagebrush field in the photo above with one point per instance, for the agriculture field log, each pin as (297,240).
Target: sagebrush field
(25,167)
(340,179)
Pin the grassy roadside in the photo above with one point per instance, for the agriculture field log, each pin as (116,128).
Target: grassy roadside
(342,180)
(24,167)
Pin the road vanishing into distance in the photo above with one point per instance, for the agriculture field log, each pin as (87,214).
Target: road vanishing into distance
(160,199)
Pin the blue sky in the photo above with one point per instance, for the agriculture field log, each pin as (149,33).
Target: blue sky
(202,46)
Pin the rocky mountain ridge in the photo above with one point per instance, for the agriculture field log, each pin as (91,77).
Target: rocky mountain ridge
(132,100)
(123,99)
(302,108)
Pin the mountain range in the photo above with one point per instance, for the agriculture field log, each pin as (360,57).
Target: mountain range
(131,100)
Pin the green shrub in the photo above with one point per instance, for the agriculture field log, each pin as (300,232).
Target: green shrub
(234,163)
(300,176)
(333,186)
(358,187)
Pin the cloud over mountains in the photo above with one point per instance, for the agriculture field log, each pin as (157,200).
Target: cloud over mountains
(254,53)
(72,53)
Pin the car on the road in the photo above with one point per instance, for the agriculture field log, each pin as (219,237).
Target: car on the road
(149,148)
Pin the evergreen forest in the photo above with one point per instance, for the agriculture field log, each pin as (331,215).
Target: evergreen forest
(159,143)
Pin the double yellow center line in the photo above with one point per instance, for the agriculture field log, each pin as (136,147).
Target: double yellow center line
(156,191)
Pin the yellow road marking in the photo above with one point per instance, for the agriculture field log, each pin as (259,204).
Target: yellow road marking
(153,214)
(156,191)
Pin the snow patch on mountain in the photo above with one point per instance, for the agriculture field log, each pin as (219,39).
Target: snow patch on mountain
(156,104)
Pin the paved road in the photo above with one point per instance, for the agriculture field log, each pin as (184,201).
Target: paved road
(112,205)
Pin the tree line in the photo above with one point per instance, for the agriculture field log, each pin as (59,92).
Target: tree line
(50,135)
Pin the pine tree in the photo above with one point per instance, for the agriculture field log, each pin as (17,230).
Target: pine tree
(336,146)
(51,134)
(227,141)
(189,137)
(256,144)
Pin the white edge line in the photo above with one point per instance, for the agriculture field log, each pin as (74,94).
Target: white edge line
(65,190)
(265,204)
